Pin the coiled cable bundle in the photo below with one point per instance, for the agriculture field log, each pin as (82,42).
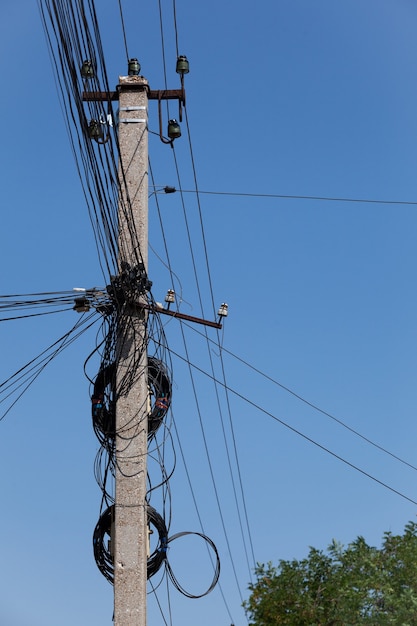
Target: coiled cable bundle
(103,400)
(102,543)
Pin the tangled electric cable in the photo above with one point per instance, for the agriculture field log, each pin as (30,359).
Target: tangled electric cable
(103,553)
(103,400)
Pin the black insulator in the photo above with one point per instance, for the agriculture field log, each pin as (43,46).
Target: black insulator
(183,66)
(87,70)
(174,129)
(133,67)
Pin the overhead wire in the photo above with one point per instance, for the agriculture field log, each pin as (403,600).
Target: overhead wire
(193,261)
(239,473)
(97,32)
(184,341)
(189,241)
(174,11)
(167,263)
(77,37)
(194,499)
(19,382)
(123,28)
(74,36)
(101,187)
(308,402)
(79,34)
(302,197)
(210,464)
(203,237)
(255,405)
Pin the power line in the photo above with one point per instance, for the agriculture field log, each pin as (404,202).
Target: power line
(292,428)
(305,401)
(123,29)
(299,197)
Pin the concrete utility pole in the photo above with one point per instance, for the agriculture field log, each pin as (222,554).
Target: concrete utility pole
(129,532)
(130,536)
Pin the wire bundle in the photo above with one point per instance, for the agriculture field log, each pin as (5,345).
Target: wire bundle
(103,546)
(73,37)
(109,385)
(74,26)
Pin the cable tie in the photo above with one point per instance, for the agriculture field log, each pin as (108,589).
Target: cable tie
(136,108)
(133,120)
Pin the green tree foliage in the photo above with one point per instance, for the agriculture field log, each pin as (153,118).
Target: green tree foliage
(344,586)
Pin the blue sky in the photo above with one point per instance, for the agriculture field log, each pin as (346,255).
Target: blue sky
(289,98)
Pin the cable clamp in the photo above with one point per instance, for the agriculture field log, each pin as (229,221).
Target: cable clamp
(137,108)
(131,120)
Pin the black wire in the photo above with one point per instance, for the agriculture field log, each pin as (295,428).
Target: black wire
(191,248)
(194,265)
(103,532)
(22,317)
(174,6)
(200,213)
(299,197)
(210,465)
(23,378)
(305,401)
(294,430)
(123,29)
(239,473)
(73,35)
(193,496)
(161,28)
(216,575)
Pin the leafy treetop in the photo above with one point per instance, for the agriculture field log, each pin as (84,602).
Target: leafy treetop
(344,586)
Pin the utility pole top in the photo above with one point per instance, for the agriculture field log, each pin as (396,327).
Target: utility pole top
(132,81)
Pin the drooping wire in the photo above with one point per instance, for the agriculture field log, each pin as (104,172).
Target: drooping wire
(19,382)
(200,214)
(75,36)
(194,265)
(307,402)
(210,465)
(239,473)
(186,360)
(216,573)
(194,499)
(191,248)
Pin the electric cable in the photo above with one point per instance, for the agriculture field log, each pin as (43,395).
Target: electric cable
(209,462)
(73,35)
(200,298)
(19,382)
(296,431)
(203,238)
(216,575)
(174,8)
(194,499)
(301,197)
(104,399)
(103,533)
(123,29)
(305,401)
